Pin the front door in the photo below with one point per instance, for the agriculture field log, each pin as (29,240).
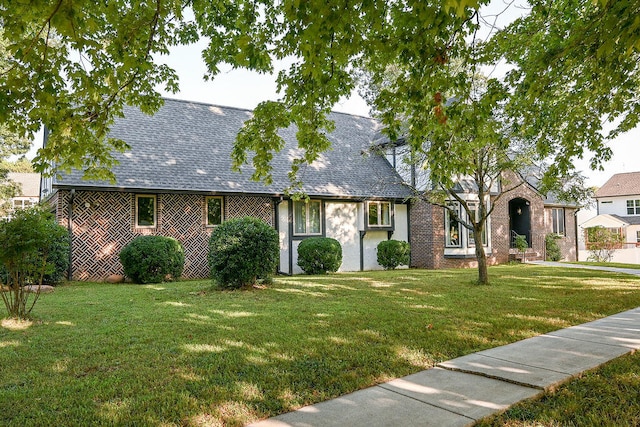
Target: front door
(520,219)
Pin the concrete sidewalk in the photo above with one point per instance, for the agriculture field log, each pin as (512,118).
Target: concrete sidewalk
(632,271)
(461,391)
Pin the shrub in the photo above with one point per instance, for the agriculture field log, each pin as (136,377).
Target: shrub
(392,253)
(150,259)
(602,243)
(552,247)
(241,251)
(319,255)
(28,241)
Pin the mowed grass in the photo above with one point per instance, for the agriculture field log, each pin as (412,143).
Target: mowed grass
(183,354)
(609,396)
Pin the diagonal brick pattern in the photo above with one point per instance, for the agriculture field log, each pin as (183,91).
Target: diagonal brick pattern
(104,222)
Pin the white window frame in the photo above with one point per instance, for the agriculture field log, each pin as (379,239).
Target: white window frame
(155,210)
(380,206)
(447,230)
(206,210)
(633,207)
(558,221)
(307,217)
(638,236)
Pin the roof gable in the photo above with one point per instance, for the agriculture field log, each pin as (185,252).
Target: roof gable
(186,146)
(620,184)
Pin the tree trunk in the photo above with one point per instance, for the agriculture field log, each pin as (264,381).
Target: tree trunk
(481,257)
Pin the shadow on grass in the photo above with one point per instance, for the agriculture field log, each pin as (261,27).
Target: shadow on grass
(180,354)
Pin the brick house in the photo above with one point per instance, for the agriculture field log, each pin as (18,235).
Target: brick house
(437,241)
(176,180)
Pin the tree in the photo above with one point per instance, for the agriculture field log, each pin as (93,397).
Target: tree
(602,243)
(28,239)
(21,165)
(575,76)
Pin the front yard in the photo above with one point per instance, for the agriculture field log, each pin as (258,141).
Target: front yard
(183,354)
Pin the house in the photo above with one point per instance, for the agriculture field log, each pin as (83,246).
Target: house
(438,241)
(618,209)
(29,190)
(176,180)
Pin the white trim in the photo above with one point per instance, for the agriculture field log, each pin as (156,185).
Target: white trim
(380,214)
(307,223)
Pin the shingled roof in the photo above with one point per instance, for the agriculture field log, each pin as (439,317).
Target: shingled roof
(186,147)
(620,184)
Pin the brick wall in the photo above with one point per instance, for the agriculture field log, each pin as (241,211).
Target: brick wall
(567,243)
(104,222)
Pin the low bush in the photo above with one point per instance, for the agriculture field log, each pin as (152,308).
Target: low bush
(241,251)
(319,255)
(33,246)
(151,259)
(392,253)
(552,247)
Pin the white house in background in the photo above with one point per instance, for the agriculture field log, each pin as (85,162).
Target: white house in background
(28,193)
(618,208)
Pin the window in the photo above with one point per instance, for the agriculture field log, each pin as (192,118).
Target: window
(145,211)
(22,203)
(379,214)
(452,226)
(638,236)
(306,217)
(214,211)
(475,213)
(633,207)
(557,217)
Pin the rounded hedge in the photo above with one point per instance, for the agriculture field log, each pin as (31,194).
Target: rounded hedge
(241,251)
(392,253)
(150,259)
(319,255)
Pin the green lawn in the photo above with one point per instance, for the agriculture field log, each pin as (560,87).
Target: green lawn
(609,396)
(183,354)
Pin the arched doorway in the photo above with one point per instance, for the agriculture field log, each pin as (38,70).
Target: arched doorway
(520,219)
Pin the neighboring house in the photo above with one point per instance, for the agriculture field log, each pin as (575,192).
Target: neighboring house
(29,190)
(618,209)
(177,181)
(438,241)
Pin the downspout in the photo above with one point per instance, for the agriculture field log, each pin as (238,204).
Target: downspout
(362,234)
(290,237)
(72,194)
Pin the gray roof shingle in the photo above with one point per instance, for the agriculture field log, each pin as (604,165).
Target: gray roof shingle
(186,147)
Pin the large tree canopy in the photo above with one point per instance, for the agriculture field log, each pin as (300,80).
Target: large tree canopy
(575,76)
(72,65)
